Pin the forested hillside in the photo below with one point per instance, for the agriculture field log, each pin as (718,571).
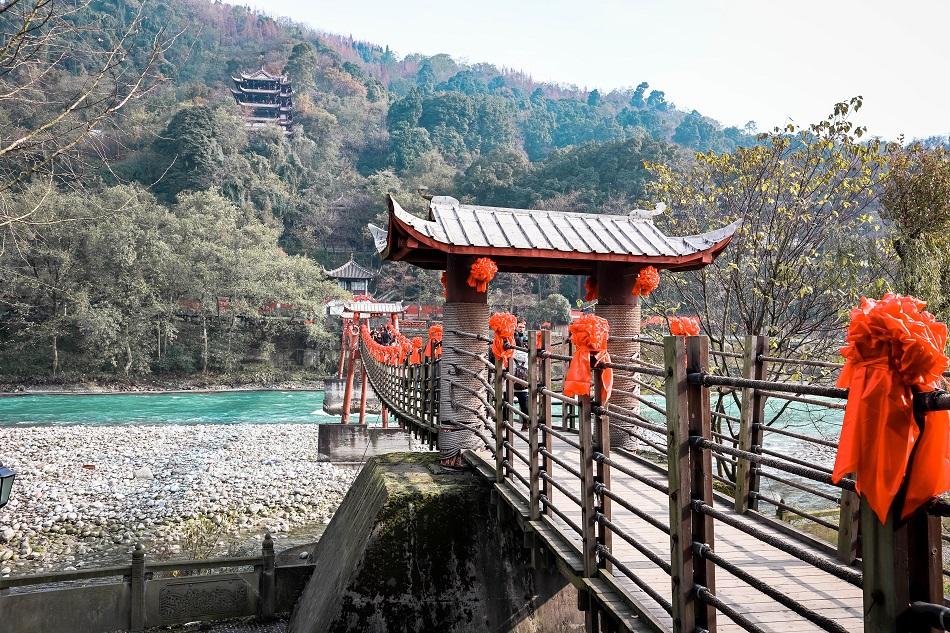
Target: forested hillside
(145,230)
(156,202)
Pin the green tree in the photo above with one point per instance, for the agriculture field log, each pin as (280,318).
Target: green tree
(916,205)
(190,148)
(301,67)
(406,145)
(636,100)
(807,247)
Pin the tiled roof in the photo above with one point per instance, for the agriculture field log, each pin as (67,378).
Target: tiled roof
(371,307)
(351,270)
(455,224)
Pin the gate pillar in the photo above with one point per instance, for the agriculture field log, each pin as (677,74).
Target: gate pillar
(466,311)
(616,304)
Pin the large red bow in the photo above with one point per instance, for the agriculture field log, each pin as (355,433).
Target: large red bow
(589,335)
(893,349)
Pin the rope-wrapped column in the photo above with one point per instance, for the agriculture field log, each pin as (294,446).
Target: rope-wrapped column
(616,304)
(457,423)
(465,311)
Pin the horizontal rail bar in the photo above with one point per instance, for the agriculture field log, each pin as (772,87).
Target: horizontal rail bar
(574,402)
(800,436)
(471,335)
(561,436)
(567,493)
(705,595)
(725,416)
(511,470)
(800,361)
(847,574)
(652,556)
(800,486)
(840,406)
(479,357)
(63,576)
(704,551)
(560,462)
(516,410)
(636,369)
(601,489)
(628,416)
(600,457)
(808,472)
(784,506)
(713,352)
(553,508)
(512,378)
(794,460)
(641,400)
(709,380)
(639,582)
(724,437)
(650,387)
(516,432)
(515,452)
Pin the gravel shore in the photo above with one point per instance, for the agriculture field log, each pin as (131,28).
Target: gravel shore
(84,495)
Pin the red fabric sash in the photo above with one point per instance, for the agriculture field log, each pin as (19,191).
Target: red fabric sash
(503,324)
(589,335)
(893,349)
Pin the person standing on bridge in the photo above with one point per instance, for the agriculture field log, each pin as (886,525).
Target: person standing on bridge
(519,368)
(521,334)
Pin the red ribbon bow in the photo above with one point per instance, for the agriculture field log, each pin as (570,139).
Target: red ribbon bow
(589,335)
(893,349)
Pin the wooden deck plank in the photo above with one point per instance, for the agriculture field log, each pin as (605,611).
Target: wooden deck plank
(816,589)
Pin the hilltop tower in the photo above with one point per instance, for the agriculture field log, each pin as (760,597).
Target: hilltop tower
(264,98)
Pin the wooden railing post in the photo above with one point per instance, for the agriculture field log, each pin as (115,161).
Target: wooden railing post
(544,370)
(499,423)
(602,472)
(849,526)
(436,387)
(751,419)
(902,563)
(137,590)
(568,411)
(534,468)
(588,500)
(268,580)
(511,419)
(690,477)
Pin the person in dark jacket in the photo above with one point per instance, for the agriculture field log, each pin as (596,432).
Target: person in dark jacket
(521,334)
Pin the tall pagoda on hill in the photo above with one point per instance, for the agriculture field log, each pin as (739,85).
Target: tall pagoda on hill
(265,99)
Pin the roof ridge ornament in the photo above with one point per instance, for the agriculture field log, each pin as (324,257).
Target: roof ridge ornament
(647,214)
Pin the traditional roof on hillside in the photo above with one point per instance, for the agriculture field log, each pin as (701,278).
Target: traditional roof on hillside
(365,308)
(260,74)
(351,270)
(535,240)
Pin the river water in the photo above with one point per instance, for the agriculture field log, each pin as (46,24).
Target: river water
(306,407)
(218,407)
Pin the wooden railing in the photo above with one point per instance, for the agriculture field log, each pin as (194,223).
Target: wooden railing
(149,593)
(411,392)
(679,439)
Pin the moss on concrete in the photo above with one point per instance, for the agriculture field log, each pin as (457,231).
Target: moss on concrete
(436,559)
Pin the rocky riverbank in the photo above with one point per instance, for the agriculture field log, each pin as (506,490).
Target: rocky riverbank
(84,495)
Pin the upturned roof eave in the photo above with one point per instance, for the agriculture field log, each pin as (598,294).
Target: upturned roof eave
(414,247)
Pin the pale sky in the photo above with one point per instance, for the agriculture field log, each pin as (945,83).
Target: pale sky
(735,61)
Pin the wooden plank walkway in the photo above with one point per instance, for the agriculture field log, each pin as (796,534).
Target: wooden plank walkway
(816,589)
